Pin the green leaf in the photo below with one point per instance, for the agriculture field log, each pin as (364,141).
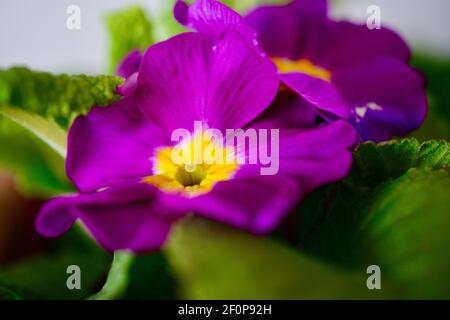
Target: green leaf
(39,171)
(61,97)
(392,211)
(44,276)
(212,261)
(45,129)
(375,164)
(437,73)
(129,29)
(407,233)
(43,103)
(150,278)
(8,294)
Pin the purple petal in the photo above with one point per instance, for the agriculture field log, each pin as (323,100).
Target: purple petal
(256,204)
(290,30)
(55,216)
(322,94)
(181,12)
(214,19)
(128,216)
(288,111)
(297,31)
(387,97)
(190,78)
(129,85)
(314,156)
(318,142)
(129,69)
(310,8)
(209,17)
(111,144)
(309,158)
(317,156)
(130,64)
(346,44)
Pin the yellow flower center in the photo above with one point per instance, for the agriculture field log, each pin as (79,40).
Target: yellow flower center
(193,167)
(303,66)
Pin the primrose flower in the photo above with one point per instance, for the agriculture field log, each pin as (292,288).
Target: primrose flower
(121,157)
(328,62)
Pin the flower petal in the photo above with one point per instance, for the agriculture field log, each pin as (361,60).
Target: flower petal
(209,17)
(288,111)
(128,86)
(319,142)
(345,44)
(190,78)
(386,95)
(317,156)
(55,217)
(181,12)
(289,30)
(214,19)
(111,144)
(301,30)
(130,64)
(314,156)
(256,204)
(308,158)
(322,94)
(127,216)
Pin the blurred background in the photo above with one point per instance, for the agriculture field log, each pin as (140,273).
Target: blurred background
(34,33)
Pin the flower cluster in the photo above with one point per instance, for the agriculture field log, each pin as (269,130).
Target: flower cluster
(318,85)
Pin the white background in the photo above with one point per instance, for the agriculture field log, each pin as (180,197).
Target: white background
(33,32)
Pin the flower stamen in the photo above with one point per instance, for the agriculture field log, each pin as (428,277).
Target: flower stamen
(303,66)
(190,178)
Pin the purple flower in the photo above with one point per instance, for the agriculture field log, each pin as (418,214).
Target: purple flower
(328,62)
(128,69)
(131,191)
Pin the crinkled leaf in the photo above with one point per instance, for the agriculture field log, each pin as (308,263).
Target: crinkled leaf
(392,211)
(129,29)
(212,261)
(44,104)
(55,96)
(375,164)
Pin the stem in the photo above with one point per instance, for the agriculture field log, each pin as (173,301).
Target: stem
(117,280)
